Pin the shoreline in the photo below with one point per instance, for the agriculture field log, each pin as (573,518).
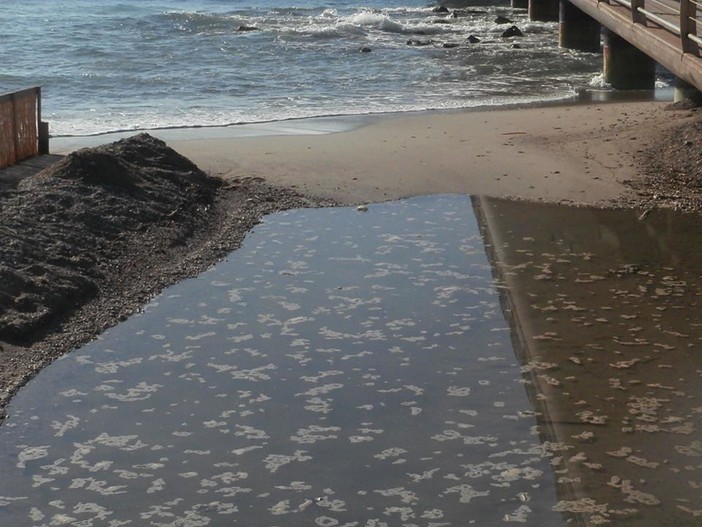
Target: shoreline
(582,154)
(334,123)
(538,152)
(579,155)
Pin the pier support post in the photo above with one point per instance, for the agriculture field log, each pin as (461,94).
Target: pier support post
(625,66)
(520,4)
(577,30)
(683,91)
(543,10)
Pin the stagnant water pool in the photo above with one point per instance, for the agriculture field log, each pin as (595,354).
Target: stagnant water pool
(438,361)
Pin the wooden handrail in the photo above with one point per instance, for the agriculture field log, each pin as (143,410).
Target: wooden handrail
(688,26)
(681,19)
(637,17)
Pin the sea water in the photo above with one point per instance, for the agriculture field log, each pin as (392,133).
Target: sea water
(145,64)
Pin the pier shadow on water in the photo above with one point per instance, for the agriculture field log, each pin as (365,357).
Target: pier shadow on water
(439,361)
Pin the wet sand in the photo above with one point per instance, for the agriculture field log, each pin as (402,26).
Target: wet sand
(582,154)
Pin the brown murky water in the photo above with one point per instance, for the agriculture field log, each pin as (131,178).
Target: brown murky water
(609,325)
(439,361)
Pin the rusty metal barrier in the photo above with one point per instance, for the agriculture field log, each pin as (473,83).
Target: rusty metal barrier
(22,132)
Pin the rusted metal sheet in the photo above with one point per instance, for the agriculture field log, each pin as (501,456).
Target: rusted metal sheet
(8,155)
(20,115)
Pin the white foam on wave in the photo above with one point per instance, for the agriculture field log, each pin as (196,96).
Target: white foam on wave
(598,81)
(377,21)
(78,126)
(302,62)
(331,24)
(328,23)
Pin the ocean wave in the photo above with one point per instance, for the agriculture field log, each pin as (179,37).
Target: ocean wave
(160,66)
(326,23)
(496,95)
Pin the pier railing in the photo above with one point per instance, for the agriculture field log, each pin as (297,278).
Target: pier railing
(22,132)
(681,18)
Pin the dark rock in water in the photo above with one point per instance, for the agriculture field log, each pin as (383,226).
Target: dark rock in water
(449,45)
(244,29)
(473,39)
(440,9)
(441,21)
(66,227)
(502,20)
(512,31)
(516,46)
(365,50)
(416,42)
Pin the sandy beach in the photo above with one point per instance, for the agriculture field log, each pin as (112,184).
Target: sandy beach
(578,154)
(633,155)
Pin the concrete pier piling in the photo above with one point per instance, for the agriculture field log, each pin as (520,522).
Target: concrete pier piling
(683,90)
(625,66)
(577,30)
(543,10)
(634,36)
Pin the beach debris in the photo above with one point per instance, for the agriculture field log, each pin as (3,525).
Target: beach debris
(646,212)
(106,193)
(591,418)
(632,495)
(520,515)
(622,452)
(624,364)
(626,269)
(583,505)
(694,449)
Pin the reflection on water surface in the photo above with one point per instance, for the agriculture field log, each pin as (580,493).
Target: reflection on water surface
(439,361)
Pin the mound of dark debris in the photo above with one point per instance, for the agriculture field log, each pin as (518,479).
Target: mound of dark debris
(65,228)
(672,167)
(89,240)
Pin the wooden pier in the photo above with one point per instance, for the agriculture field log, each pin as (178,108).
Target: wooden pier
(637,34)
